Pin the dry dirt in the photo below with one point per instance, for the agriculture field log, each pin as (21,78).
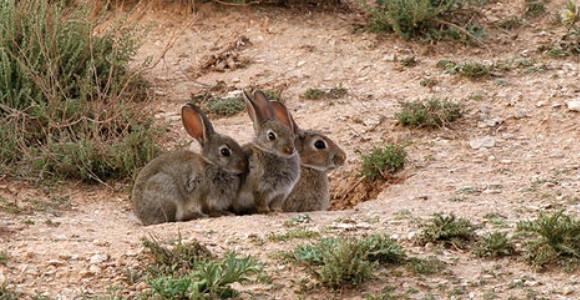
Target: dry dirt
(532,166)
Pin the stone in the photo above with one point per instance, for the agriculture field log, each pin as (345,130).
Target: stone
(574,105)
(485,142)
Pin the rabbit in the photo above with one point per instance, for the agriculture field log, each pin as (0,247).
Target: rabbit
(183,185)
(273,162)
(319,155)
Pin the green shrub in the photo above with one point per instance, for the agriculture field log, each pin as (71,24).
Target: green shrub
(555,237)
(494,245)
(333,93)
(430,19)
(209,280)
(432,113)
(449,230)
(338,261)
(179,259)
(383,161)
(68,101)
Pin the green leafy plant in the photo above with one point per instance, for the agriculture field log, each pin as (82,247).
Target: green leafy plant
(301,233)
(382,162)
(534,8)
(333,93)
(555,237)
(448,230)
(494,245)
(179,259)
(209,280)
(431,113)
(430,19)
(225,106)
(70,107)
(338,261)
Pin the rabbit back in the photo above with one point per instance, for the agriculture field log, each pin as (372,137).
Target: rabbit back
(168,189)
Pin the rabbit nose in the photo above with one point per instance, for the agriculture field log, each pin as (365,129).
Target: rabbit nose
(288,150)
(339,159)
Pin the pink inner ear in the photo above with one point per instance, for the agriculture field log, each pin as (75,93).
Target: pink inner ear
(282,114)
(192,122)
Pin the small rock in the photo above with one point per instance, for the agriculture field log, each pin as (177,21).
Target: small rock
(86,273)
(531,283)
(55,262)
(566,291)
(94,269)
(300,63)
(98,258)
(573,105)
(485,142)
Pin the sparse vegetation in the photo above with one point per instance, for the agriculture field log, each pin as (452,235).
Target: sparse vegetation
(298,219)
(428,19)
(333,93)
(209,279)
(68,101)
(7,292)
(178,259)
(219,105)
(338,261)
(534,8)
(383,162)
(448,230)
(494,245)
(301,233)
(191,271)
(430,113)
(3,257)
(553,237)
(425,266)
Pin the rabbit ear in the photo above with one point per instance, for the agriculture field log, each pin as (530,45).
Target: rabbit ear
(196,123)
(283,115)
(259,108)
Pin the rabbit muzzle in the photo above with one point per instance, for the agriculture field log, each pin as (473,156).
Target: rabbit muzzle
(289,150)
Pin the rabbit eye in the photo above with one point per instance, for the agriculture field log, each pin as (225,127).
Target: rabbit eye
(320,144)
(225,152)
(271,136)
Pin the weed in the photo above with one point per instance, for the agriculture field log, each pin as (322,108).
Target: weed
(494,245)
(382,162)
(337,261)
(449,230)
(3,257)
(68,99)
(209,280)
(429,266)
(430,113)
(534,8)
(428,82)
(301,233)
(496,219)
(383,249)
(509,23)
(9,293)
(409,62)
(556,237)
(432,20)
(333,93)
(225,106)
(387,293)
(298,219)
(474,70)
(51,223)
(468,190)
(179,259)
(313,94)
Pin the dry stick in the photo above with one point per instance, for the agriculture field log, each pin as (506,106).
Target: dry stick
(462,31)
